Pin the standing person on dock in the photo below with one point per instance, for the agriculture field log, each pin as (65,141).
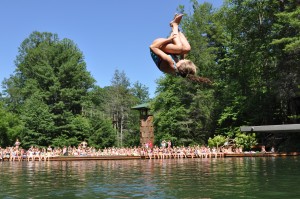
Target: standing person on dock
(150,144)
(163,144)
(65,151)
(169,144)
(169,54)
(17,143)
(84,144)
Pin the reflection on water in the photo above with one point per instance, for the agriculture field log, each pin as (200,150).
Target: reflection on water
(180,178)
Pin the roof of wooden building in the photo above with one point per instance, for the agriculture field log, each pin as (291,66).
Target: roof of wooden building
(142,106)
(272,128)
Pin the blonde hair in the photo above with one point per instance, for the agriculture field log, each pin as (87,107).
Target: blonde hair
(187,67)
(188,70)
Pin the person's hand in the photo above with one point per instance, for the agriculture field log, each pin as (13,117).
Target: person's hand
(172,37)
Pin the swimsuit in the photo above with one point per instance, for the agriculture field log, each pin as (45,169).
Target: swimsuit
(157,60)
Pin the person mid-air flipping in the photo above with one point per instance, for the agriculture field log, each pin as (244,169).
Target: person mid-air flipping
(169,54)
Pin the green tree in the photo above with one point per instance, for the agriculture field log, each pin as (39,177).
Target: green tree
(179,110)
(119,102)
(51,76)
(38,122)
(287,27)
(10,127)
(216,141)
(141,92)
(104,134)
(257,78)
(246,141)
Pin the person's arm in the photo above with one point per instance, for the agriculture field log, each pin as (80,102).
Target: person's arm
(162,42)
(156,48)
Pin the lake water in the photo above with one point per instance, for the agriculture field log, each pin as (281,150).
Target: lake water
(260,177)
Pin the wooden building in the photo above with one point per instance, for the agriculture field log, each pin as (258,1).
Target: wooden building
(146,124)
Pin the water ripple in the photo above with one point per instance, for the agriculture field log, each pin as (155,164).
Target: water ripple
(169,178)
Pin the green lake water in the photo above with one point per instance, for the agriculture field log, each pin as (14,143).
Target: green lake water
(260,177)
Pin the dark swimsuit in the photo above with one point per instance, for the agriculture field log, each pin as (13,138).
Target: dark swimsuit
(157,60)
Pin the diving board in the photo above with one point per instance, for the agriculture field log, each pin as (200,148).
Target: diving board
(272,128)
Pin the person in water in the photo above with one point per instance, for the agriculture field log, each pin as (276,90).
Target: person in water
(169,54)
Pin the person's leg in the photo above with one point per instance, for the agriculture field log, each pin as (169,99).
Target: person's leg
(176,46)
(186,47)
(181,43)
(176,19)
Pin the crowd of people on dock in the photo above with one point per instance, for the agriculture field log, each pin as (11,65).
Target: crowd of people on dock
(147,150)
(166,150)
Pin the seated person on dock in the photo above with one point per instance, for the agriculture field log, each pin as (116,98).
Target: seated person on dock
(1,154)
(263,149)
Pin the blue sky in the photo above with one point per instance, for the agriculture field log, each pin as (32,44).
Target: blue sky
(112,34)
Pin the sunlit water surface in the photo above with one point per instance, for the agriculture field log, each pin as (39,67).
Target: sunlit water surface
(170,178)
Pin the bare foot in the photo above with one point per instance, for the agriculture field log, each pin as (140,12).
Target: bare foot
(177,19)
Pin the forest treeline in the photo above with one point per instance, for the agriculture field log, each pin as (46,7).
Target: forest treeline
(249,49)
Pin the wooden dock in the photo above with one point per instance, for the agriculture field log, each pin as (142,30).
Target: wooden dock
(84,158)
(223,155)
(77,158)
(261,154)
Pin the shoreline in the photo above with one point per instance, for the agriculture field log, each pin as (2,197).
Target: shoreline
(205,156)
